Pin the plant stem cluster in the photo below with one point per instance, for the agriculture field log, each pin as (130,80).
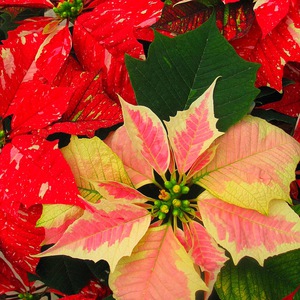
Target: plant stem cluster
(69,9)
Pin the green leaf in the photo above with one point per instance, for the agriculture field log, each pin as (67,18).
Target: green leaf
(249,281)
(178,70)
(63,273)
(6,24)
(296,209)
(272,115)
(99,269)
(110,297)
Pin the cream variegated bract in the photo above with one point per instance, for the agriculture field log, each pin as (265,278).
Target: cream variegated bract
(143,142)
(148,135)
(202,161)
(255,163)
(109,232)
(138,169)
(113,191)
(56,218)
(246,172)
(92,160)
(192,131)
(245,232)
(205,252)
(158,268)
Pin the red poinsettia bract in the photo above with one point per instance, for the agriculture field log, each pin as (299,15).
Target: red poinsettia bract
(19,239)
(272,41)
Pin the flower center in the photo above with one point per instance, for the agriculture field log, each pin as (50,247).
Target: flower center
(69,9)
(2,138)
(2,134)
(26,296)
(170,203)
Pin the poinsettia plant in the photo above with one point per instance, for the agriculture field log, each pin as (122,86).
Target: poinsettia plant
(135,161)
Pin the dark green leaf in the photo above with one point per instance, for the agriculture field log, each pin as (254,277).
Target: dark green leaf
(296,209)
(63,273)
(110,297)
(269,95)
(9,22)
(100,269)
(6,24)
(178,70)
(272,115)
(249,281)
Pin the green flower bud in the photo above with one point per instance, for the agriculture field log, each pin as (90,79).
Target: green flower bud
(164,208)
(176,202)
(66,5)
(64,14)
(173,181)
(185,189)
(157,203)
(161,215)
(187,209)
(176,188)
(69,8)
(180,214)
(175,212)
(168,184)
(185,203)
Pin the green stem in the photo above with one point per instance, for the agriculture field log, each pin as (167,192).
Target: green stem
(157,184)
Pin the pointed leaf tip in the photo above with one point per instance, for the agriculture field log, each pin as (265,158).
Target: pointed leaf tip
(178,70)
(148,135)
(193,130)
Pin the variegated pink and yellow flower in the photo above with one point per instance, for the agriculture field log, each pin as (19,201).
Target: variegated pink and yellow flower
(166,199)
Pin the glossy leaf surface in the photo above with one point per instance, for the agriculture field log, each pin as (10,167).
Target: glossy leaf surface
(55,219)
(35,106)
(27,3)
(104,35)
(289,104)
(269,13)
(90,108)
